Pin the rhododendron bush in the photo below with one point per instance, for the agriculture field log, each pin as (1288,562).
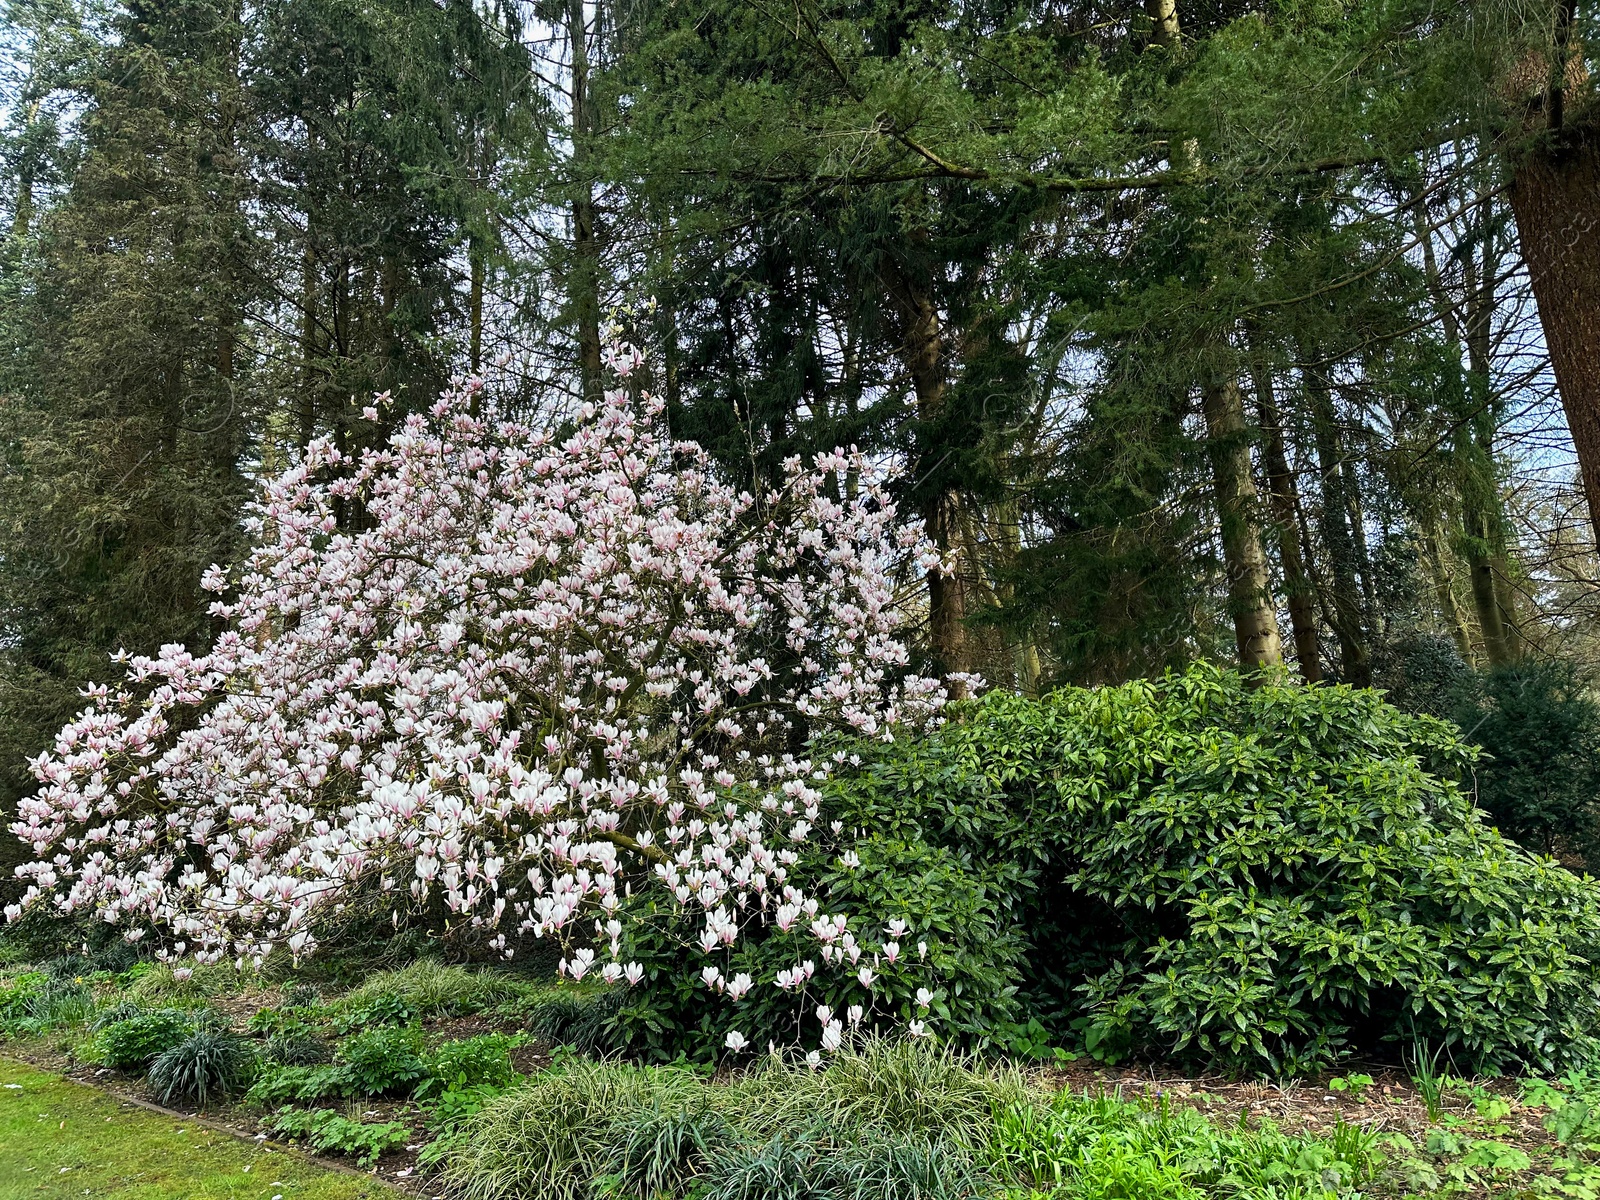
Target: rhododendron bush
(510,679)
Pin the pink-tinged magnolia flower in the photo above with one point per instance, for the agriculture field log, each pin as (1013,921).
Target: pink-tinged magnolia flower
(496,697)
(735,1041)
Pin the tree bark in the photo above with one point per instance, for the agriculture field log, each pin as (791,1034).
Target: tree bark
(1344,612)
(921,347)
(1297,585)
(1483,514)
(1444,590)
(1255,624)
(1163,16)
(1555,197)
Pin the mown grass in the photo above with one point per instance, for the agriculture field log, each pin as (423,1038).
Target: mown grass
(62,1141)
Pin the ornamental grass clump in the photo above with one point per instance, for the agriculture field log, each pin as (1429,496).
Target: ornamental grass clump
(544,674)
(210,1064)
(880,1107)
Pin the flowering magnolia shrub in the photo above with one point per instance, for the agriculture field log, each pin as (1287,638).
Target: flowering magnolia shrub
(511,682)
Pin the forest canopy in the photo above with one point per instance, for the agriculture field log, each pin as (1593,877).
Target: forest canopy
(1255,331)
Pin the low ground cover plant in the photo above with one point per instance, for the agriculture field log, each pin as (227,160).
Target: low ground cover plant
(134,1043)
(386,1060)
(483,1061)
(328,1131)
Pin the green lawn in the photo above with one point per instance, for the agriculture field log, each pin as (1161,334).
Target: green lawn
(63,1141)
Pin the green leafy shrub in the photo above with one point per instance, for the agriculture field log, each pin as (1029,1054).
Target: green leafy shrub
(449,1114)
(1264,876)
(1540,778)
(378,1062)
(385,1008)
(383,1061)
(117,1010)
(278,1084)
(210,1064)
(133,1044)
(16,995)
(470,1063)
(329,1132)
(287,1019)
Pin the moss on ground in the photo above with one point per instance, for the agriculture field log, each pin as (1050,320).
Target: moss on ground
(62,1141)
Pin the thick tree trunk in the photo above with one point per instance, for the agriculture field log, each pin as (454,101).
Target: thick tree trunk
(1255,625)
(921,346)
(1555,195)
(1485,603)
(1297,585)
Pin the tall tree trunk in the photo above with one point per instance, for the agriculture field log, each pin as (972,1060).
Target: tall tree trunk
(1344,612)
(1444,589)
(1483,514)
(1555,196)
(1297,585)
(1255,625)
(1469,330)
(921,347)
(585,273)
